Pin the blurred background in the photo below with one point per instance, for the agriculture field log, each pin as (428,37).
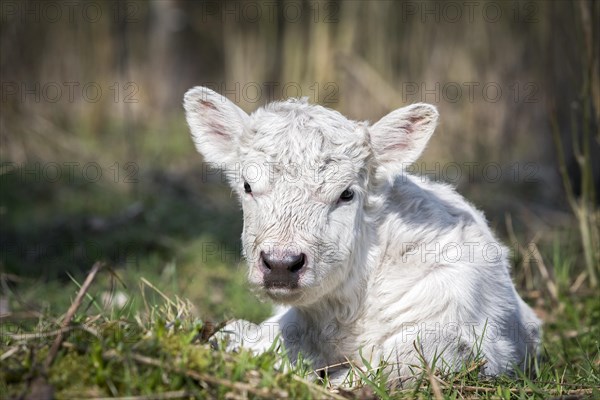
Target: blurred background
(97,162)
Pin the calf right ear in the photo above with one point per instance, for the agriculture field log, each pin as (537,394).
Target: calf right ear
(399,138)
(216,124)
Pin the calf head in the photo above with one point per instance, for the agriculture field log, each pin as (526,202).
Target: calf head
(304,174)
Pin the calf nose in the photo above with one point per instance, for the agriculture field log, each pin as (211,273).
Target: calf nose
(287,262)
(281,270)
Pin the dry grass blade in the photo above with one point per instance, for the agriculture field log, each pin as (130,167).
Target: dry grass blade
(157,290)
(528,274)
(578,283)
(71,312)
(38,335)
(328,367)
(9,353)
(550,285)
(475,365)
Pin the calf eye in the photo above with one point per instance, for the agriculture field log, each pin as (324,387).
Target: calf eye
(247,187)
(347,195)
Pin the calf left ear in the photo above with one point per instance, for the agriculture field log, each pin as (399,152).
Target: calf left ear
(399,138)
(216,124)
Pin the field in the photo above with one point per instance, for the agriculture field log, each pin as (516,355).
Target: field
(120,252)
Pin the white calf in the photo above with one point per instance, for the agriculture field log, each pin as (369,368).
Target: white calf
(372,261)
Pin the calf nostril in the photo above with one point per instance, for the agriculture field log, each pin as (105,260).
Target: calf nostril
(263,258)
(297,264)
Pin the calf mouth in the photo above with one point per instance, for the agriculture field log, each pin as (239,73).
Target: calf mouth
(279,286)
(281,281)
(283,294)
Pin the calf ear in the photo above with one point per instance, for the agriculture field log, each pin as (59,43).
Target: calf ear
(399,138)
(216,124)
